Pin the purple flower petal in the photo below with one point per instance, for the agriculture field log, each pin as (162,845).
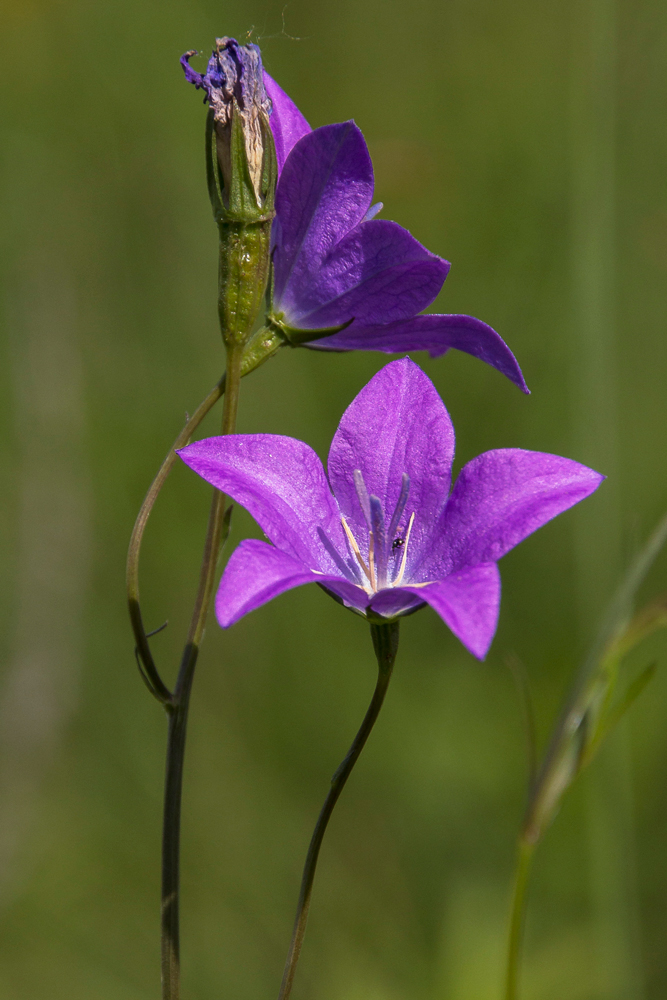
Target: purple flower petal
(281,482)
(435,333)
(258,572)
(395,601)
(349,594)
(378,273)
(324,191)
(468,602)
(397,424)
(287,123)
(499,499)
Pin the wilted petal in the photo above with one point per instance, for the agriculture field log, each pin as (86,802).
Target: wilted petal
(435,333)
(397,424)
(234,86)
(258,572)
(191,75)
(499,499)
(468,602)
(325,189)
(281,482)
(378,273)
(287,123)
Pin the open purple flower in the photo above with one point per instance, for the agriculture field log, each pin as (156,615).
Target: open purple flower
(384,535)
(336,268)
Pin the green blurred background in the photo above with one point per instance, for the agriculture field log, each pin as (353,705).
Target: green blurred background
(526,143)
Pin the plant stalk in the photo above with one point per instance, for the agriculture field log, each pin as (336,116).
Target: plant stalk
(144,654)
(177,709)
(385,643)
(262,345)
(524,859)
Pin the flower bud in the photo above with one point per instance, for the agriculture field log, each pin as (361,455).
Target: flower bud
(242,175)
(240,147)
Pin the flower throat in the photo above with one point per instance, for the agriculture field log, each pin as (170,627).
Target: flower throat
(381,542)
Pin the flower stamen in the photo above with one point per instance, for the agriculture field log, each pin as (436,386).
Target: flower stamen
(371,560)
(399,578)
(355,548)
(400,505)
(362,494)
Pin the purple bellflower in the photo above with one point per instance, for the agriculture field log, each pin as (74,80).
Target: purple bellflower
(338,268)
(384,535)
(343,280)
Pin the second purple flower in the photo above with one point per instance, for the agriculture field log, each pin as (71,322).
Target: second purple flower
(336,267)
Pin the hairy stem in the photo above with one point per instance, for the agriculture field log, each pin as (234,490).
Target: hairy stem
(178,712)
(385,643)
(517,917)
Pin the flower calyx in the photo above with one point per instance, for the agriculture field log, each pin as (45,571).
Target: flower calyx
(296,337)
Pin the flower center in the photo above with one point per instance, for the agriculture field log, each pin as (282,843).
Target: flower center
(384,545)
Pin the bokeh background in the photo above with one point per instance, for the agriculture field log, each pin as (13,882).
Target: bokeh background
(526,143)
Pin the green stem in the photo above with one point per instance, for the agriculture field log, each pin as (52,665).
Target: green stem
(385,643)
(177,708)
(263,345)
(517,918)
(144,654)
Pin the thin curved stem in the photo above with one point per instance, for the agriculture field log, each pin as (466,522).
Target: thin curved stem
(178,712)
(261,346)
(517,917)
(385,643)
(150,671)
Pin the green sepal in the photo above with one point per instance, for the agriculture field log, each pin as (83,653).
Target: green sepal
(296,337)
(242,205)
(269,167)
(262,345)
(213,174)
(238,203)
(225,529)
(226,526)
